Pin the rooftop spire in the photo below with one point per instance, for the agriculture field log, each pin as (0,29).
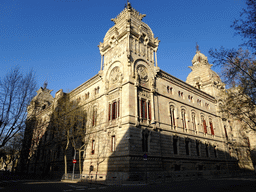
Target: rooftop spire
(45,84)
(197,47)
(128,5)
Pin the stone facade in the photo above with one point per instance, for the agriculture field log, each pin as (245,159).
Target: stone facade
(134,108)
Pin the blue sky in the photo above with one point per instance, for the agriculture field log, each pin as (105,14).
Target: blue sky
(59,38)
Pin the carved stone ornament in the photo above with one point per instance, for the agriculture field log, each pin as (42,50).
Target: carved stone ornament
(142,72)
(115,76)
(144,94)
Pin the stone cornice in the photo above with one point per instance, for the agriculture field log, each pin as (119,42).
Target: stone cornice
(85,85)
(186,86)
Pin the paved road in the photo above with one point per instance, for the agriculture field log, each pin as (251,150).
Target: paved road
(214,185)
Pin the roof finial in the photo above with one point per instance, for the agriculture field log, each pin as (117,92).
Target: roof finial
(128,5)
(45,84)
(197,47)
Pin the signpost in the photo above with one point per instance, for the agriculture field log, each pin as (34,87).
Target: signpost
(74,163)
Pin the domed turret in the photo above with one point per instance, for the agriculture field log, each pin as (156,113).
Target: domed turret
(203,77)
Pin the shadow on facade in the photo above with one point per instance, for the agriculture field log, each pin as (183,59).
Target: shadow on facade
(170,157)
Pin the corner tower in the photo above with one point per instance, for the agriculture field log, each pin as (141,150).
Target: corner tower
(203,77)
(128,41)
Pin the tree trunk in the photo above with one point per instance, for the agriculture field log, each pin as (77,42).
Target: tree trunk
(65,161)
(80,162)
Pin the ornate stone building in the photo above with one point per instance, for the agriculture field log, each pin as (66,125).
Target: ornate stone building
(134,108)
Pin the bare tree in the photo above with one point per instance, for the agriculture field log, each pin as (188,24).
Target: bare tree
(68,124)
(239,70)
(16,92)
(245,26)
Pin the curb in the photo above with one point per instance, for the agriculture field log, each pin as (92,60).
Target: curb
(70,181)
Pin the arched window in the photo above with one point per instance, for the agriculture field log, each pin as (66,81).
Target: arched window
(203,124)
(84,122)
(94,116)
(171,90)
(211,126)
(183,118)
(193,120)
(172,115)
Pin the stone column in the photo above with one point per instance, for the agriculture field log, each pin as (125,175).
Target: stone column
(101,62)
(156,58)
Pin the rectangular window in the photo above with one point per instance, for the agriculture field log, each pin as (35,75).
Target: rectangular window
(109,111)
(143,109)
(93,146)
(145,142)
(197,148)
(175,145)
(187,147)
(206,150)
(113,143)
(114,110)
(215,151)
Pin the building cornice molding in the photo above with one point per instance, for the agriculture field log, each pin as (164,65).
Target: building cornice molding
(174,80)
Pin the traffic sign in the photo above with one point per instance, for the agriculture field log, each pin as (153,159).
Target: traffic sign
(74,161)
